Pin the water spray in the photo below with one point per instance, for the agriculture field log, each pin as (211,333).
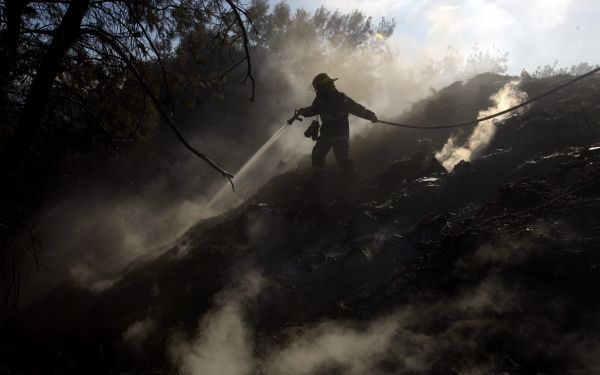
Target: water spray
(252,160)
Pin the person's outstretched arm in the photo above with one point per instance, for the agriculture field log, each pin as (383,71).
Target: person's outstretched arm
(358,110)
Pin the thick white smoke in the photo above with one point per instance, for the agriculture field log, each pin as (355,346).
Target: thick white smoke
(453,153)
(224,344)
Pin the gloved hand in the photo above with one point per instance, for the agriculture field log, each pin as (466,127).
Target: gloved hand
(295,117)
(313,130)
(370,115)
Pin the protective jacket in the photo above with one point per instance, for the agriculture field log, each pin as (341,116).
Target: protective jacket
(333,107)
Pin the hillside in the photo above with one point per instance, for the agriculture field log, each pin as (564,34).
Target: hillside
(492,268)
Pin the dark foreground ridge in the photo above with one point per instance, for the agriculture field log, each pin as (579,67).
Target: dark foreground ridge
(491,269)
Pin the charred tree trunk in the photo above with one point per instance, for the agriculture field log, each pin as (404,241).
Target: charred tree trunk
(9,39)
(39,94)
(21,184)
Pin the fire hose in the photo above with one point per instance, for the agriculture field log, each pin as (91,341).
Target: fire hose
(310,132)
(478,120)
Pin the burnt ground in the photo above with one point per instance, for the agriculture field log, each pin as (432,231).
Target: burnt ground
(491,269)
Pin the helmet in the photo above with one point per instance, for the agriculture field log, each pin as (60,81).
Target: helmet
(322,79)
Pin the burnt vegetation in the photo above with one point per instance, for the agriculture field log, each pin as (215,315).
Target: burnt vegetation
(490,268)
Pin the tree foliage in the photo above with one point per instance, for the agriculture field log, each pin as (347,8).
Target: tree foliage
(86,72)
(353,30)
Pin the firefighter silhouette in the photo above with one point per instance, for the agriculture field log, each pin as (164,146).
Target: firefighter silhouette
(333,107)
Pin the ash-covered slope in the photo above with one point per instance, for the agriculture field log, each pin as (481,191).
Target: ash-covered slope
(490,269)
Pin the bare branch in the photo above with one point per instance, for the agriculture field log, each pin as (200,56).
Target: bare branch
(158,57)
(240,22)
(118,48)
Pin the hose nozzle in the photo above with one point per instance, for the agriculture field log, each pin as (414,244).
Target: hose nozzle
(295,117)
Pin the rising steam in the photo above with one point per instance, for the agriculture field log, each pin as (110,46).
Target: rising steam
(394,343)
(452,153)
(223,345)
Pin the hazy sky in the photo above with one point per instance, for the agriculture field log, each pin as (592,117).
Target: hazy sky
(533,32)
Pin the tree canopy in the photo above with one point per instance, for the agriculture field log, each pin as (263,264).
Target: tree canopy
(79,71)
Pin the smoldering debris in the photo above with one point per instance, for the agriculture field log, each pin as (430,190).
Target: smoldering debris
(395,343)
(419,338)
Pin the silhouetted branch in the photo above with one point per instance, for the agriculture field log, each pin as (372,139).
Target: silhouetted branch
(128,60)
(246,43)
(158,57)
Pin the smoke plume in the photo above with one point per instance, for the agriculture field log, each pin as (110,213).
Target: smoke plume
(224,344)
(453,153)
(336,346)
(138,332)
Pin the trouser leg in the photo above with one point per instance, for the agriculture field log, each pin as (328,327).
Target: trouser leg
(319,153)
(341,149)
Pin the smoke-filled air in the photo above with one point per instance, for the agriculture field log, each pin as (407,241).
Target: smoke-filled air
(94,231)
(294,187)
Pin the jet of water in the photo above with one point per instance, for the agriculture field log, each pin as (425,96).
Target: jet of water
(225,195)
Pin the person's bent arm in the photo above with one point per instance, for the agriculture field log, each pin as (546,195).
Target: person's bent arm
(307,111)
